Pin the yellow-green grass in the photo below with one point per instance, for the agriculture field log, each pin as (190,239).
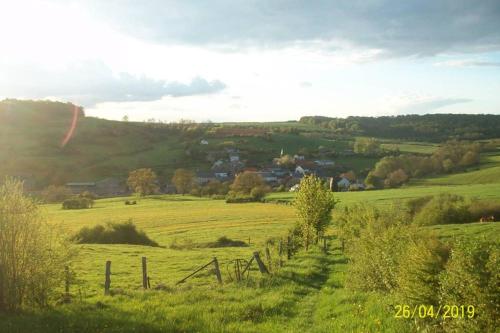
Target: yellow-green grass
(166,219)
(389,196)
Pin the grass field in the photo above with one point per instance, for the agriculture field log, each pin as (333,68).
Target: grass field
(306,295)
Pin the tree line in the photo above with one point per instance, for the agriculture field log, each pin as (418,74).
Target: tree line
(429,127)
(393,171)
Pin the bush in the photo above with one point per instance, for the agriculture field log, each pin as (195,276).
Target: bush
(239,198)
(472,277)
(259,192)
(443,209)
(78,203)
(375,239)
(32,254)
(225,242)
(375,257)
(487,208)
(114,233)
(421,264)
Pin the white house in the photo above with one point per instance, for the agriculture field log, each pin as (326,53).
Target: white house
(301,170)
(234,158)
(217,164)
(203,142)
(343,183)
(324,163)
(299,157)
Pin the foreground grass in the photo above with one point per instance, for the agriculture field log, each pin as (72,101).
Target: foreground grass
(306,295)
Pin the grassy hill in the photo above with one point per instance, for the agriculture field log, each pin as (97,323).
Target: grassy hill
(32,131)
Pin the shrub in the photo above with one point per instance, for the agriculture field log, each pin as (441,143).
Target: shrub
(418,277)
(443,209)
(114,233)
(375,257)
(415,205)
(259,192)
(225,242)
(488,208)
(472,277)
(376,239)
(77,203)
(32,254)
(239,199)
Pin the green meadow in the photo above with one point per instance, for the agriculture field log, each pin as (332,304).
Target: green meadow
(306,295)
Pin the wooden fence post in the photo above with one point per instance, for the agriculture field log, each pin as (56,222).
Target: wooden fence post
(288,248)
(217,270)
(268,257)
(107,282)
(66,281)
(280,251)
(144,273)
(262,267)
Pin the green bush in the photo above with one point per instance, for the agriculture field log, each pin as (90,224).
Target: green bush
(113,233)
(78,203)
(224,242)
(235,197)
(488,208)
(443,209)
(472,277)
(418,276)
(375,258)
(259,192)
(376,243)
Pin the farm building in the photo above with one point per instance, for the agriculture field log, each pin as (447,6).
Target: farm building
(105,187)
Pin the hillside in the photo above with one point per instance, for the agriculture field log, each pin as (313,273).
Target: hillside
(32,132)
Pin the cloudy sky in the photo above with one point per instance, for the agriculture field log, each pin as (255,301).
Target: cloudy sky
(253,60)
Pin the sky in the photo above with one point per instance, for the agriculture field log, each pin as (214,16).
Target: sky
(253,60)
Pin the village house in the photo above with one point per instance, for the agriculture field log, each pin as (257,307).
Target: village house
(105,188)
(234,157)
(324,163)
(299,157)
(268,177)
(203,142)
(203,177)
(79,187)
(343,184)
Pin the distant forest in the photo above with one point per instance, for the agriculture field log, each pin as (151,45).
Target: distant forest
(429,127)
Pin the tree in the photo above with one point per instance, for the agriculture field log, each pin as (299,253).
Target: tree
(143,181)
(183,180)
(246,181)
(396,178)
(314,204)
(286,161)
(33,255)
(367,146)
(54,194)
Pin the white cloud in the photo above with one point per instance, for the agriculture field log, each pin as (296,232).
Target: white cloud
(89,83)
